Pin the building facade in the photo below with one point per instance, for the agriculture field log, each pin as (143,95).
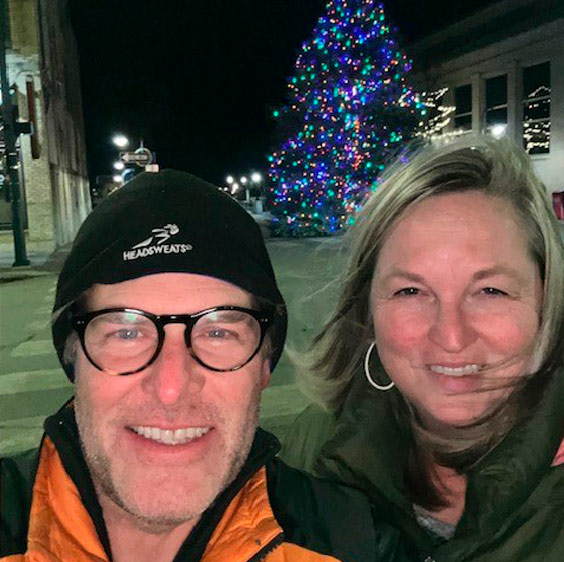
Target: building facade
(42,64)
(504,70)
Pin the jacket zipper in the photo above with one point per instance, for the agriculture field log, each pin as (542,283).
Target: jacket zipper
(261,555)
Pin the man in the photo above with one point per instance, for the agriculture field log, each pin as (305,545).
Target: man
(169,321)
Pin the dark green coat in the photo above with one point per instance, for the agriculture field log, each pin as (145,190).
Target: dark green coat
(515,497)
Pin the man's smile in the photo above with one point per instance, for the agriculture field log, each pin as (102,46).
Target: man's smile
(171,436)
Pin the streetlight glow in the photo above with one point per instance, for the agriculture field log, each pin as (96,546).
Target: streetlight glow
(234,187)
(256,177)
(243,180)
(121,141)
(117,179)
(498,130)
(229,179)
(119,166)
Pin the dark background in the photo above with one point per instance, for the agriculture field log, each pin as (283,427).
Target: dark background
(198,79)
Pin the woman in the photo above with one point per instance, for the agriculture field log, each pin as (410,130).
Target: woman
(440,373)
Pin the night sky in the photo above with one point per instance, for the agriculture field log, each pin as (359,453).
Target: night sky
(198,79)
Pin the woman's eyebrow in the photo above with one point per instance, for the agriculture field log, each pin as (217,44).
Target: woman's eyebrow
(398,273)
(498,270)
(403,274)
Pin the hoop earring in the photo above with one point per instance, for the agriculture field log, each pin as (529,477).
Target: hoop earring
(377,386)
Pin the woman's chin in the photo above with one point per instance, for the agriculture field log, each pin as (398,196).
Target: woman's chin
(453,416)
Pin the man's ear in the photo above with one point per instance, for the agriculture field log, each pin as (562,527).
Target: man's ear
(265,373)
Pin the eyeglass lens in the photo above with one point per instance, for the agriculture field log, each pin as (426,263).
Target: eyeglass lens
(123,341)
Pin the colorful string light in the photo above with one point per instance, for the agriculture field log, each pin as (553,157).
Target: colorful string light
(349,109)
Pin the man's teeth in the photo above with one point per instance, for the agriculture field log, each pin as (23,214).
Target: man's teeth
(170,436)
(455,371)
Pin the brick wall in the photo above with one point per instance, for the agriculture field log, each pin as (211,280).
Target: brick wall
(56,187)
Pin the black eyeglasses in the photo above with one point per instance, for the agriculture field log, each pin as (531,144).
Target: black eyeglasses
(124,341)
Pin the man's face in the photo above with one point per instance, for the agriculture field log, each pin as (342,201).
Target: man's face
(161,483)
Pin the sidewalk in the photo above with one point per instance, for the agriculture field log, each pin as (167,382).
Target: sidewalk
(41,263)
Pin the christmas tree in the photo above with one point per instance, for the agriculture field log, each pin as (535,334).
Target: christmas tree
(349,109)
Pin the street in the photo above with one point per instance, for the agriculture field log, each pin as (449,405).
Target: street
(32,384)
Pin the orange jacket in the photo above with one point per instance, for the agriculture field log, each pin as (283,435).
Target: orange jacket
(271,513)
(61,529)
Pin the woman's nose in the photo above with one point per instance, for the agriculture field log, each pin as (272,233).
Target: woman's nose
(451,328)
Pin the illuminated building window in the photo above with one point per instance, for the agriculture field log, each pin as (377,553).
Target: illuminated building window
(463,104)
(536,108)
(496,105)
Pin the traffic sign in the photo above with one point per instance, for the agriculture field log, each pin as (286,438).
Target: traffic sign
(142,157)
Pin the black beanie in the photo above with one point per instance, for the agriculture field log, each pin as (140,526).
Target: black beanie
(167,222)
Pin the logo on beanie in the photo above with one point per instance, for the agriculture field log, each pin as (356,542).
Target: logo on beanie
(155,244)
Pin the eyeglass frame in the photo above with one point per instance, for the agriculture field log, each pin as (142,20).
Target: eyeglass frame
(79,323)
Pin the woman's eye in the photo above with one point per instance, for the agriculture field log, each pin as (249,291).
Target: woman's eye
(407,292)
(492,291)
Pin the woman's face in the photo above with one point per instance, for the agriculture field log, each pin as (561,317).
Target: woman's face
(456,301)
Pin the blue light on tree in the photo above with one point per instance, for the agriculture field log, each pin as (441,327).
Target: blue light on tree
(349,107)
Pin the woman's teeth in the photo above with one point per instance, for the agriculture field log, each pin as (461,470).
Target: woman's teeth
(455,371)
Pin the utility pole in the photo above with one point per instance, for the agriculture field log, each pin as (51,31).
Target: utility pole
(11,131)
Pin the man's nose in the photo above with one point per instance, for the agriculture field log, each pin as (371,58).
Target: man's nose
(451,327)
(174,374)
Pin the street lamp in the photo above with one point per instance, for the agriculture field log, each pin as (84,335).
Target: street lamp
(117,179)
(244,180)
(256,179)
(119,166)
(121,141)
(229,179)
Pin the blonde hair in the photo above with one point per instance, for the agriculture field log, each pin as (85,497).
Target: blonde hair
(494,167)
